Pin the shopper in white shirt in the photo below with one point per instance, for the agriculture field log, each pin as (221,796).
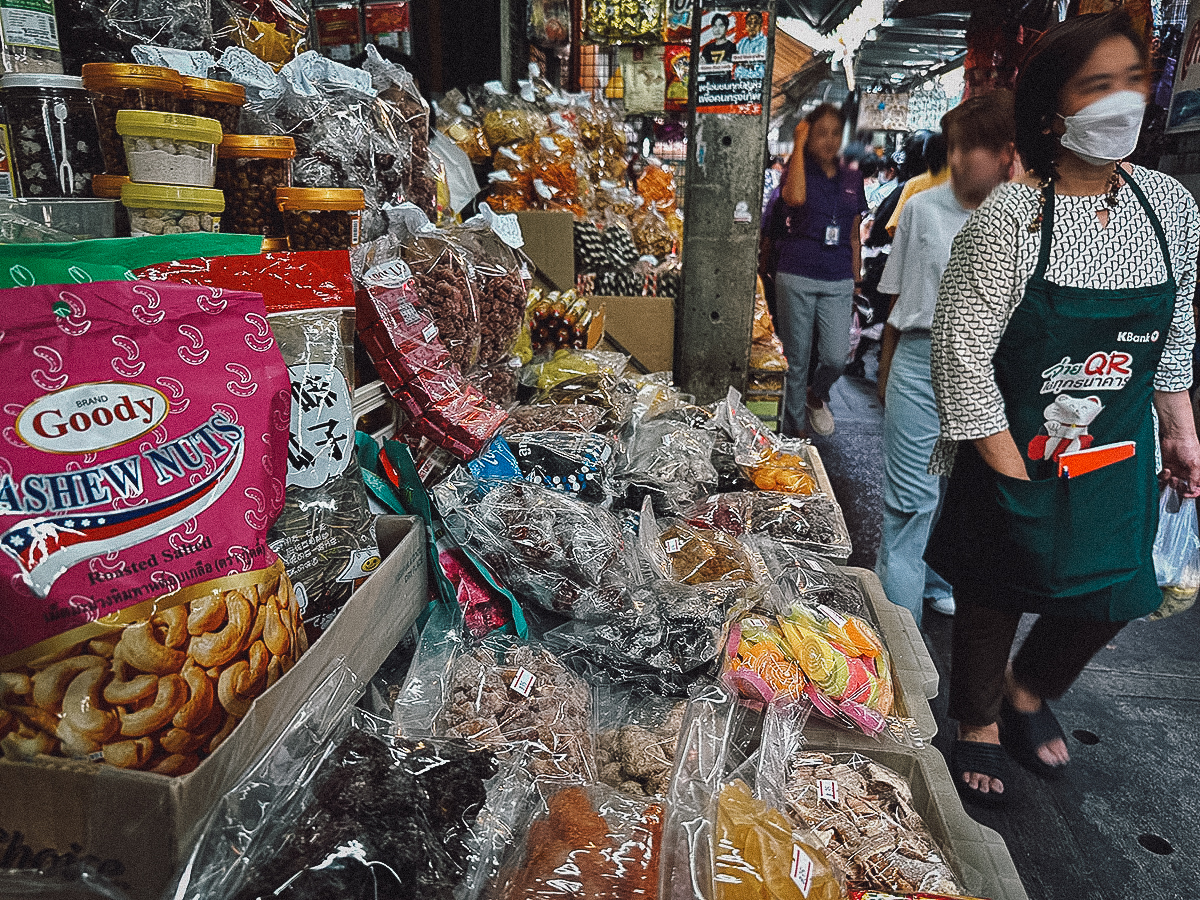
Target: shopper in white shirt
(981,136)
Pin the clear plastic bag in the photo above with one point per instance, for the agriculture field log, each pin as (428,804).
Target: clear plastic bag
(549,23)
(588,842)
(577,464)
(669,641)
(806,577)
(78,881)
(513,697)
(669,462)
(625,21)
(598,388)
(635,748)
(185,25)
(549,549)
(578,419)
(813,523)
(1176,554)
(862,812)
(398,91)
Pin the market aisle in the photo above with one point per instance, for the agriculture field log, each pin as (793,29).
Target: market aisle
(1131,721)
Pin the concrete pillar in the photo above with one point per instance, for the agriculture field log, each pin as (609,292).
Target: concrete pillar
(722,210)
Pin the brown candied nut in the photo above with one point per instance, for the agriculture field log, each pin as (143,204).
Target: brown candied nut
(123,691)
(176,740)
(176,764)
(130,754)
(171,695)
(176,620)
(51,683)
(140,647)
(218,648)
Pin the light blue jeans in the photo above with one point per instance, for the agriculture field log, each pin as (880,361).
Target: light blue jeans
(805,303)
(911,496)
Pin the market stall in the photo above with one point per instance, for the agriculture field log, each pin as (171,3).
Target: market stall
(357,547)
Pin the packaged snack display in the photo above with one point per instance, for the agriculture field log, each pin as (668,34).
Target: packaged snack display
(549,23)
(397,89)
(864,814)
(513,697)
(636,751)
(52,135)
(324,532)
(758,857)
(118,86)
(321,218)
(163,209)
(781,471)
(638,21)
(144,609)
(213,99)
(169,148)
(588,842)
(249,170)
(549,549)
(702,556)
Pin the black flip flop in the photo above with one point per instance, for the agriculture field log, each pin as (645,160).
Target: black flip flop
(1022,734)
(985,759)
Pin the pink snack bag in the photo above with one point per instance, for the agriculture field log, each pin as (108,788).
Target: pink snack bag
(143,452)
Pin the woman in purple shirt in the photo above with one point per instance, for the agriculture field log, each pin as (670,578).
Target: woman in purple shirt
(814,230)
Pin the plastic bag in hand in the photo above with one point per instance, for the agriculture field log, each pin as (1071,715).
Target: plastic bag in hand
(1176,554)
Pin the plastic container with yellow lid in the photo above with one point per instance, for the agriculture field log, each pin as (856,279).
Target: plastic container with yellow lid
(218,100)
(170,148)
(321,218)
(164,209)
(250,168)
(118,86)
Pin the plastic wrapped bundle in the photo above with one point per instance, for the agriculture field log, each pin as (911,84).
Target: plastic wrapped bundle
(812,523)
(669,462)
(809,578)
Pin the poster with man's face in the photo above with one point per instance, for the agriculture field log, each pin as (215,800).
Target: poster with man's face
(1185,100)
(733,62)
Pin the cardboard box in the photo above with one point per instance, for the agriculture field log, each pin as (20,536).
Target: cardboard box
(643,327)
(137,827)
(978,855)
(550,245)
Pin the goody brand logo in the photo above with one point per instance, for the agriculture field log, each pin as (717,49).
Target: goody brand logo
(88,418)
(1102,371)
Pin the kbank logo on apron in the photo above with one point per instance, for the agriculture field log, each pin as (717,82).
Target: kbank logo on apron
(1102,371)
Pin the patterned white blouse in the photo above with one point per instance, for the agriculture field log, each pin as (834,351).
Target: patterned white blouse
(992,259)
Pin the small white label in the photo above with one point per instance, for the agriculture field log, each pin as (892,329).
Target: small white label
(836,617)
(814,565)
(756,623)
(430,332)
(673,545)
(523,683)
(96,756)
(26,27)
(392,274)
(802,869)
(828,790)
(355,227)
(741,213)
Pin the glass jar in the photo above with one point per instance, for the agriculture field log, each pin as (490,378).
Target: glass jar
(321,218)
(109,188)
(250,168)
(29,38)
(52,130)
(170,148)
(213,99)
(118,86)
(163,209)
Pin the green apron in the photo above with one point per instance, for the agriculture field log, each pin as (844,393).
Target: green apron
(1076,369)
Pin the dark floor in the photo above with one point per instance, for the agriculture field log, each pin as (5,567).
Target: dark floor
(1124,824)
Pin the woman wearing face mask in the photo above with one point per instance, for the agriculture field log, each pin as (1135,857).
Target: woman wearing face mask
(814,233)
(1063,321)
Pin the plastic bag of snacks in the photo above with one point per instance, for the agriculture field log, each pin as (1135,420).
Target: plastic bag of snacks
(398,90)
(577,464)
(862,811)
(148,454)
(588,842)
(548,548)
(549,23)
(577,419)
(668,462)
(624,21)
(684,553)
(341,807)
(670,638)
(510,696)
(814,523)
(325,532)
(635,747)
(806,577)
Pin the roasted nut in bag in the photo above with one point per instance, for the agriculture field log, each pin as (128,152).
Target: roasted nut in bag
(143,608)
(589,842)
(669,462)
(577,419)
(814,523)
(325,532)
(636,751)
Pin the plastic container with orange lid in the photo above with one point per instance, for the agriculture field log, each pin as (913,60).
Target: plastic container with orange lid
(118,86)
(321,218)
(250,168)
(213,99)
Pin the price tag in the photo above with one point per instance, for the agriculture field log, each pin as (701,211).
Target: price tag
(828,790)
(814,565)
(756,623)
(673,545)
(802,869)
(523,683)
(833,234)
(430,332)
(836,617)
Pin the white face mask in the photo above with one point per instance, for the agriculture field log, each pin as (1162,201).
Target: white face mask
(1107,130)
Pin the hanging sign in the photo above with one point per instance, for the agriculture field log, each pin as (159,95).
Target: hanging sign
(733,62)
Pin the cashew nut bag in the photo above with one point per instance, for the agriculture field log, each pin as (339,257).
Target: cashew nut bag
(143,454)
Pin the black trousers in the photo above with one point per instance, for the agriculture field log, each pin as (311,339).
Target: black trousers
(1047,664)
